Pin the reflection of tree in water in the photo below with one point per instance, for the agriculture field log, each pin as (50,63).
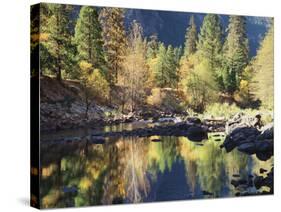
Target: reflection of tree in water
(236,163)
(122,169)
(162,155)
(79,176)
(211,168)
(203,163)
(136,181)
(113,185)
(188,152)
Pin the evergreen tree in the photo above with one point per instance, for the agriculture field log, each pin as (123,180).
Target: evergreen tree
(114,36)
(171,68)
(235,52)
(209,43)
(178,54)
(160,67)
(58,42)
(88,37)
(166,67)
(190,38)
(152,47)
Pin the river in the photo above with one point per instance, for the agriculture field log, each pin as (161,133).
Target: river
(134,169)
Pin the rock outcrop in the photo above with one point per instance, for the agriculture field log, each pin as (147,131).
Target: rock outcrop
(247,135)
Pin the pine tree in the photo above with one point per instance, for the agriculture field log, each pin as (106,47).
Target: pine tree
(58,43)
(190,38)
(209,43)
(114,36)
(152,47)
(160,66)
(88,38)
(178,54)
(235,52)
(171,74)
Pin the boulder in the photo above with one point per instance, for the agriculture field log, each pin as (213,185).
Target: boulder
(196,133)
(241,120)
(249,148)
(239,136)
(264,146)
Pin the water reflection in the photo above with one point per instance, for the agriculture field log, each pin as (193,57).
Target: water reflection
(125,170)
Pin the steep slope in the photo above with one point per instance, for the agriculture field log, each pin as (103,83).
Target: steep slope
(171,26)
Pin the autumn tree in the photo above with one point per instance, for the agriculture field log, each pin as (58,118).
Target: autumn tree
(199,84)
(200,73)
(263,80)
(95,86)
(135,69)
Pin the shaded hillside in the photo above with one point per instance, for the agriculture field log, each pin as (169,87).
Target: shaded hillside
(171,26)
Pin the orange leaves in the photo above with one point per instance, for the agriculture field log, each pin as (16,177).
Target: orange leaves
(39,37)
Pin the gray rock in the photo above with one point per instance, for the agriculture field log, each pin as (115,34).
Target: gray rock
(240,136)
(249,148)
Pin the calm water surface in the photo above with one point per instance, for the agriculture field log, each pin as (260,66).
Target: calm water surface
(133,169)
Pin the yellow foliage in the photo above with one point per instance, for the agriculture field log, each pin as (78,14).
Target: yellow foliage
(48,171)
(51,198)
(94,81)
(36,37)
(244,84)
(85,66)
(156,97)
(85,184)
(99,84)
(151,75)
(243,95)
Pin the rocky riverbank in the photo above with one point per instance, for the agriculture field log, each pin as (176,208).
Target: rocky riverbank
(62,107)
(249,136)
